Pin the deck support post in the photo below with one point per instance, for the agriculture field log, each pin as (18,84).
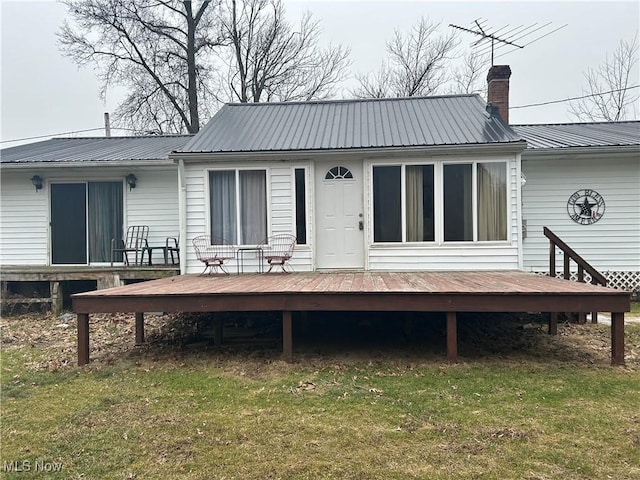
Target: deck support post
(139,328)
(287,337)
(55,291)
(218,324)
(553,323)
(617,338)
(594,317)
(83,339)
(452,337)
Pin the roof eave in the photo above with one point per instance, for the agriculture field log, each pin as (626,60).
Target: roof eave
(506,147)
(591,150)
(92,163)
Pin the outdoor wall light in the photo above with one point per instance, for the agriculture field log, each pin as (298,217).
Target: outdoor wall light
(131,181)
(37,182)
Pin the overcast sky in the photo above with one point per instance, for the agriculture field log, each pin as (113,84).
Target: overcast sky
(44,93)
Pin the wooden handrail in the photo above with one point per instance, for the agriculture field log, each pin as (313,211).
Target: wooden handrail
(570,254)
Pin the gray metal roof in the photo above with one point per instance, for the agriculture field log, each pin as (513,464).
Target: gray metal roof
(99,149)
(568,135)
(351,124)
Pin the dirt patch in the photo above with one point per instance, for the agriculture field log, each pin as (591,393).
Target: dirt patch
(252,343)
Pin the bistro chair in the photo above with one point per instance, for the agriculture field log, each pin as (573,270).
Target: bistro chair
(213,252)
(277,250)
(135,241)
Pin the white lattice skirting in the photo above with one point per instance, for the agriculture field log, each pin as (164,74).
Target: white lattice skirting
(628,281)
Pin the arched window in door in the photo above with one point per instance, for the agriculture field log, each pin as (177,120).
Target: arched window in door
(338,173)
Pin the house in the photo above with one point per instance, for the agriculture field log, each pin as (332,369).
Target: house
(381,184)
(64,199)
(437,183)
(583,182)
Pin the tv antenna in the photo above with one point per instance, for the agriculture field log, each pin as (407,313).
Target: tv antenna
(506,36)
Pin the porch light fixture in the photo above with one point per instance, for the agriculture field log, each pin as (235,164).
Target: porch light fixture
(37,182)
(131,181)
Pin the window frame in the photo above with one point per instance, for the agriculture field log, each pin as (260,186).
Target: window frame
(236,170)
(438,189)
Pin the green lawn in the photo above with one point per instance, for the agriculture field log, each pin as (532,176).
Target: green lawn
(550,408)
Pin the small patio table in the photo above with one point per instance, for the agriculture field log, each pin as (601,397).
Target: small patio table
(242,250)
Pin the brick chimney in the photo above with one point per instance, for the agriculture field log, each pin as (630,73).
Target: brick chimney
(498,89)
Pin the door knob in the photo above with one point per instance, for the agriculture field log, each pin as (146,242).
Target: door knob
(360,225)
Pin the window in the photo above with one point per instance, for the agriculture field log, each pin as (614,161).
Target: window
(458,208)
(238,201)
(492,201)
(472,202)
(387,204)
(338,173)
(301,206)
(419,203)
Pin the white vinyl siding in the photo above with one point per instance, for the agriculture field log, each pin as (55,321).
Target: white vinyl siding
(612,243)
(280,208)
(400,256)
(154,202)
(403,258)
(24,219)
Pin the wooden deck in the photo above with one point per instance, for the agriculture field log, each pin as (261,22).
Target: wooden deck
(55,275)
(450,292)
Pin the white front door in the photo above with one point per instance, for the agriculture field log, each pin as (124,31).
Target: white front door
(340,234)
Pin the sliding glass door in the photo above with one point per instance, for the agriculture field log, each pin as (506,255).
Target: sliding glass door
(84,218)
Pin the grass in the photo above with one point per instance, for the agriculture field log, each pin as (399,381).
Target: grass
(542,408)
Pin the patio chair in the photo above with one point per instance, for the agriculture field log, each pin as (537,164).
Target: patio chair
(277,250)
(135,241)
(172,247)
(213,252)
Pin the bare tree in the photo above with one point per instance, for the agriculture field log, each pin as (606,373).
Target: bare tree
(417,64)
(156,48)
(270,61)
(610,92)
(470,76)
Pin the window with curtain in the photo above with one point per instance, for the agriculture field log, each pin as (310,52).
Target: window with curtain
(468,213)
(238,205)
(105,218)
(492,201)
(419,203)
